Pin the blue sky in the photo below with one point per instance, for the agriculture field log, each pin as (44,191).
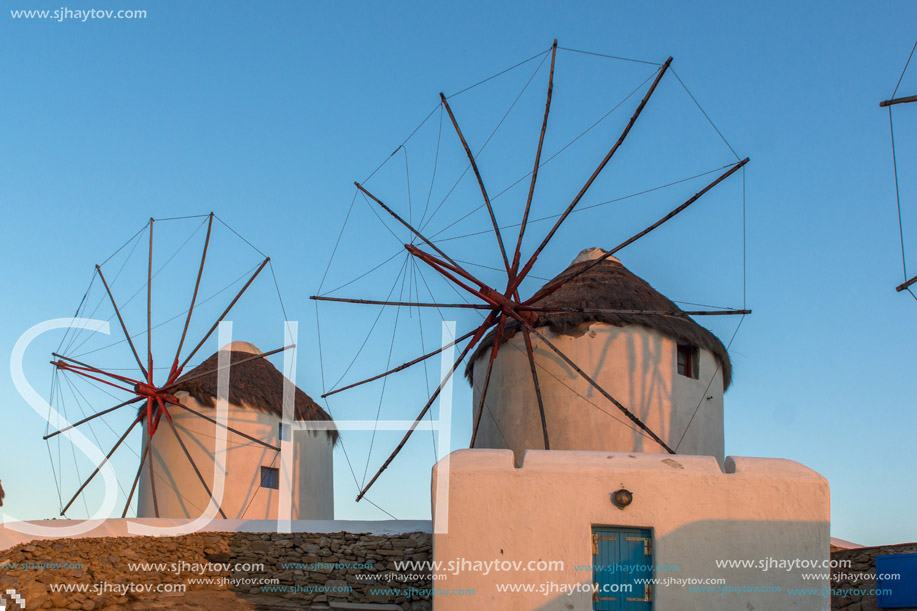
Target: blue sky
(267,114)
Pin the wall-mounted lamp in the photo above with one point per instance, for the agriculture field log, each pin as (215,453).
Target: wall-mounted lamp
(622,498)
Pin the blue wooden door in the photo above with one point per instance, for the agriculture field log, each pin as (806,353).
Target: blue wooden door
(621,557)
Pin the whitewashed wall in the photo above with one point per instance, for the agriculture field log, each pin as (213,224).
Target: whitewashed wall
(636,365)
(179,491)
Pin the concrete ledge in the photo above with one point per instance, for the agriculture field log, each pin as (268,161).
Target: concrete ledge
(577,461)
(769,467)
(570,461)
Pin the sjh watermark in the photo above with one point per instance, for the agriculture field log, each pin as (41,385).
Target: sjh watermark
(442,426)
(11,600)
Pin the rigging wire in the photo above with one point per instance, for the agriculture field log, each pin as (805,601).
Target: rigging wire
(891,127)
(501,73)
(439,138)
(120,248)
(338,242)
(744,247)
(400,251)
(713,377)
(423,350)
(182,218)
(626,59)
(395,152)
(407,173)
(388,364)
(321,362)
(906,64)
(381,220)
(77,313)
(57,486)
(238,235)
(375,322)
(706,116)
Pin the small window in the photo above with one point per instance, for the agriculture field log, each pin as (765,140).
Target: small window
(687,361)
(270,478)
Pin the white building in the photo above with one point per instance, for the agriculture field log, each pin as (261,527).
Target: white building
(252,471)
(591,523)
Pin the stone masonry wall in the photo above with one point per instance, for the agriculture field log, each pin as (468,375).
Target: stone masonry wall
(859,576)
(220,571)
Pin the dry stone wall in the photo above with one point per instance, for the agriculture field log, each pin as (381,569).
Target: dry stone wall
(221,571)
(852,584)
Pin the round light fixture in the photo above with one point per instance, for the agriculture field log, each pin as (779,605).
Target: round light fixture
(622,498)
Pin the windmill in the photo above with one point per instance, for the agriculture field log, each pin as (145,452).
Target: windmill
(502,304)
(138,376)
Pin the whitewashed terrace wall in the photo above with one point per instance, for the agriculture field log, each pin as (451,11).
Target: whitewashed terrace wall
(698,514)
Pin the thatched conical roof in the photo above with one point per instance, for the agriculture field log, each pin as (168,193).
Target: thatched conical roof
(255,384)
(611,286)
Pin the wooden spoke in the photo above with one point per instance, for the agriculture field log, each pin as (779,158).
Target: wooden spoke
(101,464)
(411,304)
(406,224)
(93,417)
(194,465)
(401,367)
(442,265)
(478,334)
(544,127)
(225,312)
(149,311)
(127,335)
(86,374)
(595,174)
(94,369)
(446,271)
(498,337)
(153,486)
(672,313)
(904,285)
(595,385)
(893,101)
(197,285)
(130,496)
(530,352)
(477,173)
(195,376)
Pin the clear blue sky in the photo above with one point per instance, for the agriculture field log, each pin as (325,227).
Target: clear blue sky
(266,114)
